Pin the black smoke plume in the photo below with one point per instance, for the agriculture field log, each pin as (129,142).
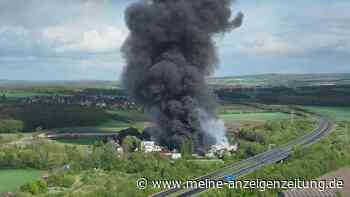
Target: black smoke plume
(170,51)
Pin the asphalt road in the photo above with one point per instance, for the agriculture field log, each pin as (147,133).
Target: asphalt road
(252,164)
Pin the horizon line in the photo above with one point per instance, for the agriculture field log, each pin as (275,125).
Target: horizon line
(212,77)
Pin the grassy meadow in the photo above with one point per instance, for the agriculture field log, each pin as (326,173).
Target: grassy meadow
(11,180)
(255,116)
(336,113)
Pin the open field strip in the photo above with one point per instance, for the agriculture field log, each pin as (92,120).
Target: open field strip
(260,116)
(11,180)
(336,113)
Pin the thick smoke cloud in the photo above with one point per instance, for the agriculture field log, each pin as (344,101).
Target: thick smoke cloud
(170,51)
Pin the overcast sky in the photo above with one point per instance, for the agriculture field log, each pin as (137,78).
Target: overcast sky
(80,39)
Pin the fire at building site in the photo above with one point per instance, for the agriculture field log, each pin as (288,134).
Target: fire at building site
(170,52)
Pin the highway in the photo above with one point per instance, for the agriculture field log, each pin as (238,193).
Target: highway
(254,163)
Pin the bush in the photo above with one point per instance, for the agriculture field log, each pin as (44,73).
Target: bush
(42,186)
(35,188)
(55,180)
(61,180)
(32,188)
(252,136)
(35,156)
(25,188)
(10,126)
(68,181)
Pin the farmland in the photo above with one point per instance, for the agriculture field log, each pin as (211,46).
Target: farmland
(336,113)
(79,141)
(96,168)
(11,180)
(259,116)
(291,80)
(22,94)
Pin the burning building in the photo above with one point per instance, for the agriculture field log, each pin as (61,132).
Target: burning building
(150,146)
(219,150)
(170,52)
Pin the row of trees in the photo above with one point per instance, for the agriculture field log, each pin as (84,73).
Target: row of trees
(30,117)
(308,95)
(42,156)
(259,139)
(103,157)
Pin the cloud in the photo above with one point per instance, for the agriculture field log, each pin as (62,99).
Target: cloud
(61,26)
(292,29)
(81,38)
(263,43)
(39,13)
(302,44)
(69,39)
(61,40)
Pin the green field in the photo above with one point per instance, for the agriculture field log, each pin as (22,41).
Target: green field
(10,137)
(128,115)
(11,180)
(120,119)
(260,116)
(336,113)
(79,141)
(96,129)
(237,108)
(114,125)
(22,94)
(280,80)
(108,127)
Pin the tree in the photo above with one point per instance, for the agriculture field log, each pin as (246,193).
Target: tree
(3,98)
(42,185)
(32,188)
(72,153)
(130,144)
(298,152)
(107,157)
(61,180)
(187,148)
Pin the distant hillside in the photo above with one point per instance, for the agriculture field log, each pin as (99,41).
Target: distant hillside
(83,84)
(307,89)
(264,80)
(289,80)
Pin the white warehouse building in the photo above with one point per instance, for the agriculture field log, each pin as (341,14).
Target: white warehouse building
(150,146)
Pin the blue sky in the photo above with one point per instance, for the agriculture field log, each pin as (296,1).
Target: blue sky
(80,39)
